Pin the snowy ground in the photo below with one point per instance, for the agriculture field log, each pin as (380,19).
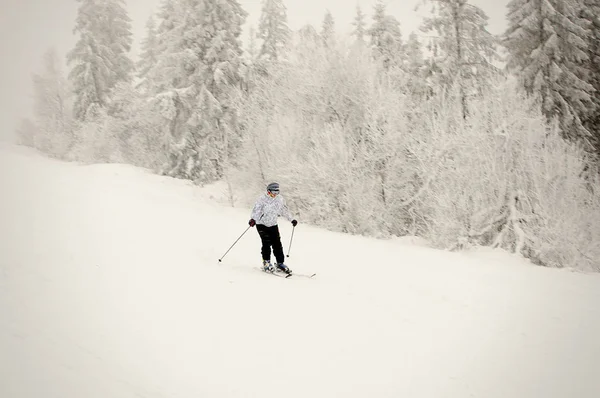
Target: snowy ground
(110,287)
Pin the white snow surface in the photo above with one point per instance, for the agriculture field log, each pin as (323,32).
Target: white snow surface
(110,287)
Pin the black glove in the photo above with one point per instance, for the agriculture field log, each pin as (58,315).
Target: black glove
(252,222)
(294,223)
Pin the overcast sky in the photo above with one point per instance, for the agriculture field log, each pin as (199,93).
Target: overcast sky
(30,27)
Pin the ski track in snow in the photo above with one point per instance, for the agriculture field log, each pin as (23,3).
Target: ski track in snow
(110,286)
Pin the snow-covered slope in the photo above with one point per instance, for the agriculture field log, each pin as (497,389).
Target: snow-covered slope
(110,287)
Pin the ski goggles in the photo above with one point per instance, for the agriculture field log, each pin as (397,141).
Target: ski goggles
(273,193)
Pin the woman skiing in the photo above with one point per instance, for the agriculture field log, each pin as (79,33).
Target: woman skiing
(267,209)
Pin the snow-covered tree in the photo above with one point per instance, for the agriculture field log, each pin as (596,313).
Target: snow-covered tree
(163,75)
(100,58)
(414,65)
(194,81)
(135,128)
(273,29)
(307,35)
(591,13)
(463,50)
(52,115)
(26,132)
(359,24)
(386,37)
(548,45)
(505,178)
(328,29)
(253,48)
(305,41)
(149,49)
(251,64)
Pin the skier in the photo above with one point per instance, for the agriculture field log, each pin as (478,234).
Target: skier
(264,215)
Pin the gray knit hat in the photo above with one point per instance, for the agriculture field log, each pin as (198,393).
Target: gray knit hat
(273,187)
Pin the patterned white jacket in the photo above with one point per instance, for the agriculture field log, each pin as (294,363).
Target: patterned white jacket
(267,209)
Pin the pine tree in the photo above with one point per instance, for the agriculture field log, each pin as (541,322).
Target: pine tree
(414,64)
(164,74)
(100,55)
(463,49)
(306,42)
(51,114)
(308,33)
(193,83)
(253,50)
(386,37)
(119,39)
(149,49)
(359,25)
(548,45)
(273,29)
(414,54)
(591,12)
(328,29)
(50,89)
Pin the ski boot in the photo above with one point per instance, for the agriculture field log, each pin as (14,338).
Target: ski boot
(281,267)
(268,267)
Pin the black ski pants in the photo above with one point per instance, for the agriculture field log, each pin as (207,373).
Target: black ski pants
(270,238)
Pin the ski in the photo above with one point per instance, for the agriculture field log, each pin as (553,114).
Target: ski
(284,275)
(295,274)
(303,275)
(270,273)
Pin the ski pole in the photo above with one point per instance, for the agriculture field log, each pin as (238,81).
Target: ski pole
(290,248)
(234,243)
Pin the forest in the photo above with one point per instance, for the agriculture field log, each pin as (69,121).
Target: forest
(452,134)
